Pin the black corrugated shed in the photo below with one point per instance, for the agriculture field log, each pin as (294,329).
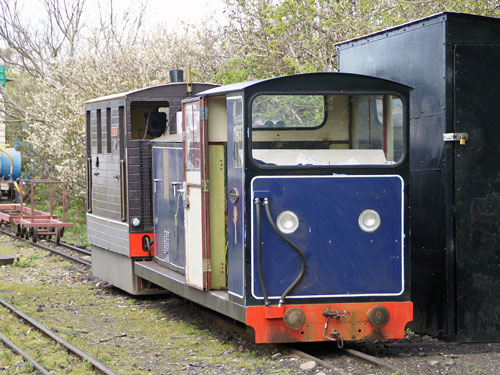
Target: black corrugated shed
(453,62)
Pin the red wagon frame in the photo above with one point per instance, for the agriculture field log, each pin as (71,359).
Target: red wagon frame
(28,222)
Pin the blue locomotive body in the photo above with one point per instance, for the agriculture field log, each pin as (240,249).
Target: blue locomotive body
(342,259)
(281,203)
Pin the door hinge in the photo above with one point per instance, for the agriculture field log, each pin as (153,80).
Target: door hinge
(207,265)
(204,186)
(456,137)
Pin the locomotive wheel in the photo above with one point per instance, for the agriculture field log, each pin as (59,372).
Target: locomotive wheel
(34,235)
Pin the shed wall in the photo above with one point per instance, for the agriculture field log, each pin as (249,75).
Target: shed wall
(423,55)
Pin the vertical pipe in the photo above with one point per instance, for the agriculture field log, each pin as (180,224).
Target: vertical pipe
(123,191)
(64,201)
(51,199)
(259,251)
(89,187)
(189,87)
(32,200)
(22,199)
(350,120)
(384,119)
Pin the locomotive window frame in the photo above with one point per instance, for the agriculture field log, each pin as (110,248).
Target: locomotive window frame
(286,128)
(88,132)
(135,117)
(99,130)
(384,93)
(238,126)
(192,135)
(108,130)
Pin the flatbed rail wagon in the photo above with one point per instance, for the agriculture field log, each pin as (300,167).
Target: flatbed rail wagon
(28,222)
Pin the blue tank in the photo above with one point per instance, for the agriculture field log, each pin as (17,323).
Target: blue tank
(5,164)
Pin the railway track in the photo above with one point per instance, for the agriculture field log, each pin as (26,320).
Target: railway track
(327,363)
(51,246)
(307,351)
(74,248)
(98,366)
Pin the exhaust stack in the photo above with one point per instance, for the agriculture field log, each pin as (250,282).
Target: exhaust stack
(176,75)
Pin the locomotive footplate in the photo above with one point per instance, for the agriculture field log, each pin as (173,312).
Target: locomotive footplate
(336,322)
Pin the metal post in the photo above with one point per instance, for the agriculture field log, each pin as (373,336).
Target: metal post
(22,200)
(51,199)
(32,200)
(64,201)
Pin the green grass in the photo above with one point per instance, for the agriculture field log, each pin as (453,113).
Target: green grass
(73,308)
(26,262)
(7,247)
(77,233)
(45,351)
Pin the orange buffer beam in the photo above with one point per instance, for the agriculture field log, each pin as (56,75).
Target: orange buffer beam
(354,321)
(135,243)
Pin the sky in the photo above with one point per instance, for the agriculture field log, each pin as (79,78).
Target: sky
(171,12)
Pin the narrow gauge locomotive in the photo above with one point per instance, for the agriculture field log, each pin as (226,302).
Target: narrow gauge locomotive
(281,203)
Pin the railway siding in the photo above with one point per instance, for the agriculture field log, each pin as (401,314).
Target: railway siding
(130,335)
(165,335)
(45,351)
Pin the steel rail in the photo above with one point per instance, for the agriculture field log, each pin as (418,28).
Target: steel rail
(354,353)
(72,247)
(23,354)
(51,249)
(80,353)
(374,360)
(70,257)
(320,362)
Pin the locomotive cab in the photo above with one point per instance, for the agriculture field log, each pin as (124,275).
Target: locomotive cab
(283,205)
(119,132)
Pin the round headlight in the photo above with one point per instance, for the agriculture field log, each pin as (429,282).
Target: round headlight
(136,222)
(369,221)
(287,222)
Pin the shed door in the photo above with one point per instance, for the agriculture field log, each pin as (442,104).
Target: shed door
(196,197)
(477,192)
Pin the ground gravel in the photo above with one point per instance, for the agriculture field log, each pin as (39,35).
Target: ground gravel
(166,335)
